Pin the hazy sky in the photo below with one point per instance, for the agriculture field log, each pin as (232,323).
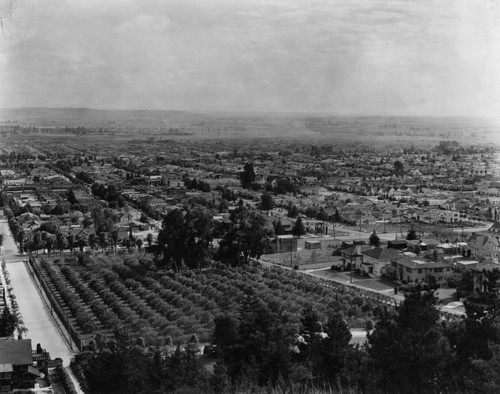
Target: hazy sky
(397,57)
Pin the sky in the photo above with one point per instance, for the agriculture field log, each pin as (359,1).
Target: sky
(354,57)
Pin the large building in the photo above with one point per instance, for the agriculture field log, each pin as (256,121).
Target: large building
(419,269)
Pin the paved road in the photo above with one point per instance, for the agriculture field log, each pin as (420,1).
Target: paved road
(42,327)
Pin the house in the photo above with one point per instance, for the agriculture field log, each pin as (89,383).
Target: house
(419,269)
(16,365)
(376,260)
(312,245)
(398,244)
(353,255)
(286,243)
(484,245)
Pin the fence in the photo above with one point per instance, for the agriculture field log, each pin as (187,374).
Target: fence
(55,306)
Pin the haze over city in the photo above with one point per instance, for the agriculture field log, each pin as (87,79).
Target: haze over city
(437,58)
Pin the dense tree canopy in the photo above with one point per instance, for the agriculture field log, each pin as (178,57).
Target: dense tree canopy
(247,238)
(185,239)
(247,176)
(298,229)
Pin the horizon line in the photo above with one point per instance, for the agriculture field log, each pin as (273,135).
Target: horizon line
(243,112)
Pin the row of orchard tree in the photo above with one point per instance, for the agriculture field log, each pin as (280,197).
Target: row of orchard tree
(411,350)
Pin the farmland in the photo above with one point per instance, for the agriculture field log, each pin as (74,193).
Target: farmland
(96,293)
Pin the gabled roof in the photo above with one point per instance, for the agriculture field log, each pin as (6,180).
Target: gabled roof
(495,227)
(381,253)
(355,250)
(16,352)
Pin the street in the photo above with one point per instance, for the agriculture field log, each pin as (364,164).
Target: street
(42,328)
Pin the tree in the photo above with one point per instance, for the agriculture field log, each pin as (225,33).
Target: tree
(408,346)
(247,176)
(374,239)
(256,348)
(8,322)
(298,229)
(114,238)
(322,215)
(71,242)
(278,228)
(398,167)
(61,242)
(81,244)
(139,243)
(48,245)
(185,239)
(149,239)
(71,197)
(266,202)
(49,227)
(412,235)
(293,211)
(336,216)
(102,240)
(247,238)
(87,222)
(20,240)
(92,241)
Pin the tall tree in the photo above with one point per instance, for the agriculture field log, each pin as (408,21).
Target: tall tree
(71,197)
(8,322)
(186,238)
(298,228)
(247,238)
(374,239)
(293,211)
(408,345)
(266,202)
(92,241)
(149,239)
(279,229)
(412,235)
(398,168)
(247,176)
(48,245)
(61,242)
(20,240)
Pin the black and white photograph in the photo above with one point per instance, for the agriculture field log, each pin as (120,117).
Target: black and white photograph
(250,196)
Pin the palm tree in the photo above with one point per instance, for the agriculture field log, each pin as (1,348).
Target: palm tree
(60,242)
(114,237)
(71,242)
(20,240)
(92,241)
(48,245)
(102,240)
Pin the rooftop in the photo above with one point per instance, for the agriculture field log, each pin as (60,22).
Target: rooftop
(16,352)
